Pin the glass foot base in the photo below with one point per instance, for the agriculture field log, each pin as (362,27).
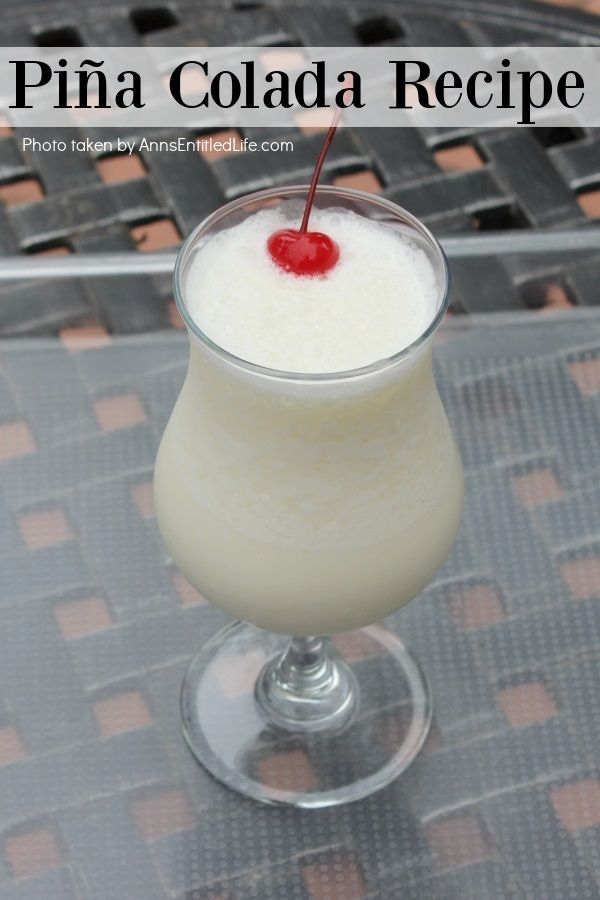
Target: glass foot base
(229,732)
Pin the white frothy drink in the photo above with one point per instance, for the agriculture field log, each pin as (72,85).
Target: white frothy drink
(309,506)
(377,299)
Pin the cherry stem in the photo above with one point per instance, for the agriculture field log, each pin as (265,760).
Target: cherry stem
(317,172)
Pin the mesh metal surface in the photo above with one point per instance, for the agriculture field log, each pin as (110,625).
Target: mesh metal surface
(455,180)
(99,796)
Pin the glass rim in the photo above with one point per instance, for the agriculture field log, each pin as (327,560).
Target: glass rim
(294,191)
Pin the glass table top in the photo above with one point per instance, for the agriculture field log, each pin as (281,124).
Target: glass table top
(99,796)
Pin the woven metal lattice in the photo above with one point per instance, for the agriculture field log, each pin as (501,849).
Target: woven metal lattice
(455,180)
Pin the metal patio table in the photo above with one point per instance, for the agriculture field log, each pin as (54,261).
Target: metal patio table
(100,798)
(461,180)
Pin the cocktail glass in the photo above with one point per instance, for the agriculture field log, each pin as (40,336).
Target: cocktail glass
(310,505)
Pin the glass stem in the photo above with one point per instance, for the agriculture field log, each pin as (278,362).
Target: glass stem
(307,687)
(305,665)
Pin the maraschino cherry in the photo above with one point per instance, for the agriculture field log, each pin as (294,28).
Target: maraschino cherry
(305,252)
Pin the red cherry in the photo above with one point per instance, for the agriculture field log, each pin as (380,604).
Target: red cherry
(303,252)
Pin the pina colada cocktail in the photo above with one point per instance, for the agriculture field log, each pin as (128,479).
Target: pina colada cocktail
(308,483)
